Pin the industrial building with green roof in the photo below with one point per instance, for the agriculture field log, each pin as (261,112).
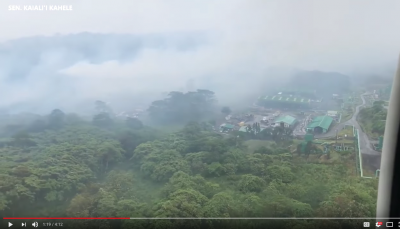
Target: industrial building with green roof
(288,120)
(320,124)
(226,127)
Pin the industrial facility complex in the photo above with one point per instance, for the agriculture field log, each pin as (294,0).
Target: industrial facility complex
(290,99)
(297,110)
(288,108)
(300,125)
(316,125)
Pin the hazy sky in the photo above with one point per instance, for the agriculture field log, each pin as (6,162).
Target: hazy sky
(245,38)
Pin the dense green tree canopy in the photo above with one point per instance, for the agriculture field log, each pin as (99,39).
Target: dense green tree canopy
(64,165)
(373,119)
(181,107)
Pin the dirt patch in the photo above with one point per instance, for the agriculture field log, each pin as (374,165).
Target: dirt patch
(371,162)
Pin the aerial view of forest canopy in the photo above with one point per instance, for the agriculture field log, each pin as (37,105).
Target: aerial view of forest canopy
(66,165)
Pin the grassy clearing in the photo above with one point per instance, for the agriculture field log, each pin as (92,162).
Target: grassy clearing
(367,128)
(334,157)
(368,173)
(347,131)
(347,114)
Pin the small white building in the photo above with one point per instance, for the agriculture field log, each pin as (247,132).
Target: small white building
(332,113)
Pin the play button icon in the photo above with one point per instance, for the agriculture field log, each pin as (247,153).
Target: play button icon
(9,224)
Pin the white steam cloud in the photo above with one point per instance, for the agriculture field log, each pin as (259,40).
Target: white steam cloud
(240,42)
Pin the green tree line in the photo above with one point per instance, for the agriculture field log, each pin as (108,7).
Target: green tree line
(373,119)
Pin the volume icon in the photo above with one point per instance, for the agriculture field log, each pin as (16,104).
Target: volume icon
(35,224)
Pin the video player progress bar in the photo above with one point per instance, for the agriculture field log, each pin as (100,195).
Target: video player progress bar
(233,218)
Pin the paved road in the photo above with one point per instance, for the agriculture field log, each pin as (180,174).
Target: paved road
(370,157)
(365,143)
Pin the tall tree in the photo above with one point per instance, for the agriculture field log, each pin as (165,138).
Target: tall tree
(56,119)
(109,153)
(181,107)
(134,123)
(102,120)
(102,107)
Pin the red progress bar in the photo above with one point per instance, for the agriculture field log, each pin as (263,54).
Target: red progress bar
(60,218)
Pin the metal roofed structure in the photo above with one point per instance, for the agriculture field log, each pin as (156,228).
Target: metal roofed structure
(285,98)
(298,92)
(320,124)
(287,120)
(225,127)
(284,101)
